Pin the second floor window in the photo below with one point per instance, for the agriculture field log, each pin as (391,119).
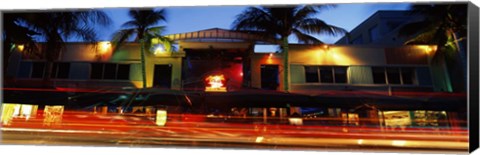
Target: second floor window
(325,74)
(110,71)
(393,75)
(60,70)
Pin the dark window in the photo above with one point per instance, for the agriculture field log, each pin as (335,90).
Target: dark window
(408,75)
(63,70)
(311,74)
(97,71)
(110,71)
(54,70)
(393,24)
(340,74)
(378,75)
(123,72)
(326,75)
(38,69)
(25,69)
(374,33)
(358,40)
(393,75)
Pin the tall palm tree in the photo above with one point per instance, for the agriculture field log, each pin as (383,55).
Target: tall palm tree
(16,34)
(279,22)
(143,27)
(56,28)
(444,25)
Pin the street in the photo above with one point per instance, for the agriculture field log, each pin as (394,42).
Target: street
(84,128)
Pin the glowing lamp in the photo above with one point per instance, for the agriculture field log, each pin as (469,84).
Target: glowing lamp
(21,47)
(159,49)
(215,83)
(104,46)
(325,47)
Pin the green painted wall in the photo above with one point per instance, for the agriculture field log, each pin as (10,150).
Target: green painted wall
(360,75)
(297,74)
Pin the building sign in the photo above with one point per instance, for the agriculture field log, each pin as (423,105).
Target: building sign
(215,83)
(52,115)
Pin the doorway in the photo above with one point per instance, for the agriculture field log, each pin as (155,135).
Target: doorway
(162,76)
(269,77)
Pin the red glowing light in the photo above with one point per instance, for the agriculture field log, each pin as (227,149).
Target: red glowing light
(215,83)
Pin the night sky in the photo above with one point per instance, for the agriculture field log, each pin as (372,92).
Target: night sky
(194,18)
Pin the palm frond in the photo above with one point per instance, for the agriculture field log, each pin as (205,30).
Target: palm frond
(317,26)
(121,36)
(305,38)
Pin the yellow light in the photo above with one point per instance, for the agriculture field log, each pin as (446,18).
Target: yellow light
(158,50)
(259,139)
(104,46)
(21,47)
(325,47)
(336,56)
(161,117)
(360,141)
(398,143)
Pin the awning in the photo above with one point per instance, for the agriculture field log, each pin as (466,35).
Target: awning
(256,98)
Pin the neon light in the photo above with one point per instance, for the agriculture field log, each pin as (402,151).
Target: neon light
(215,83)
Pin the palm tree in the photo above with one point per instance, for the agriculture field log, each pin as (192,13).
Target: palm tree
(143,28)
(56,28)
(445,26)
(279,22)
(16,34)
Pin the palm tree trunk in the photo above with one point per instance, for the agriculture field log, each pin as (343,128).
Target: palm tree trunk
(285,64)
(142,57)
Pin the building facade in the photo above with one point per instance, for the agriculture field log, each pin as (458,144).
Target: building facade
(389,85)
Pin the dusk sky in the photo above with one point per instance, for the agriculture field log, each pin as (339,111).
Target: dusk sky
(194,18)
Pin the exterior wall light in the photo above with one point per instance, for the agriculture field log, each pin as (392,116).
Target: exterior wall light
(21,47)
(158,49)
(104,46)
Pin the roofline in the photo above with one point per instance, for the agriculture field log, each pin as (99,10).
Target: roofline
(369,18)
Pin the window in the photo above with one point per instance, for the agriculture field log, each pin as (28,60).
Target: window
(110,71)
(60,70)
(378,75)
(340,74)
(311,74)
(38,69)
(393,75)
(326,74)
(374,33)
(96,71)
(408,75)
(123,72)
(358,40)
